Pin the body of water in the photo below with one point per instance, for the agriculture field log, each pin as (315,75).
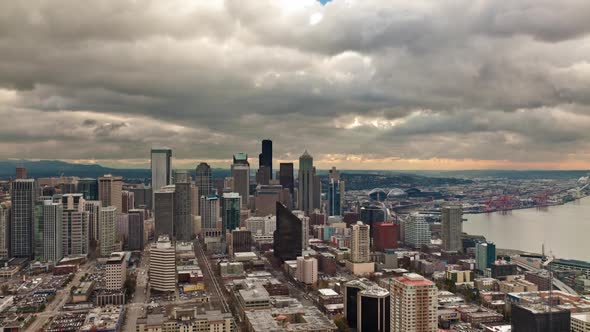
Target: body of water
(564,229)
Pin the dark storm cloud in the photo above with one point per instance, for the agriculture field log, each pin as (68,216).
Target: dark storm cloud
(382,79)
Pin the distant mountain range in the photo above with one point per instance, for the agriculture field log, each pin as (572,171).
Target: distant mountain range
(55,168)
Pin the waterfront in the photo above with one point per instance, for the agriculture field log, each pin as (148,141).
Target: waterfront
(564,229)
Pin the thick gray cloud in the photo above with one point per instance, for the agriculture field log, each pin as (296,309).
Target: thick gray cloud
(353,80)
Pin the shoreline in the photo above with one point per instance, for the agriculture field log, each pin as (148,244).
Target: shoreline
(527,207)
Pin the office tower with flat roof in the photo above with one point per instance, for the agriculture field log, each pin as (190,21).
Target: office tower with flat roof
(286,177)
(414,304)
(49,224)
(164,211)
(265,199)
(307,270)
(288,235)
(75,232)
(127,200)
(263,175)
(183,216)
(266,156)
(73,201)
(21,172)
(5,208)
(108,230)
(88,187)
(195,200)
(360,243)
(116,271)
(385,236)
(485,255)
(23,197)
(162,269)
(307,186)
(135,239)
(210,214)
(109,191)
(230,211)
(335,196)
(38,221)
(374,310)
(93,209)
(452,227)
(240,171)
(181,176)
(317,192)
(142,197)
(417,231)
(241,240)
(161,165)
(540,318)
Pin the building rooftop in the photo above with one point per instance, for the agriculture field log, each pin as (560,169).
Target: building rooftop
(289,319)
(583,317)
(414,279)
(104,318)
(254,294)
(327,292)
(375,292)
(116,258)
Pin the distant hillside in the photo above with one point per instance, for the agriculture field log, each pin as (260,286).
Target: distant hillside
(52,168)
(362,181)
(511,174)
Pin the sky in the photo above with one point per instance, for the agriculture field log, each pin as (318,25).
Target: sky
(361,84)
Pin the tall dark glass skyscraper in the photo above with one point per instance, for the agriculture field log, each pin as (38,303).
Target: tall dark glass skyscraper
(23,195)
(371,214)
(286,176)
(203,179)
(288,235)
(265,157)
(335,190)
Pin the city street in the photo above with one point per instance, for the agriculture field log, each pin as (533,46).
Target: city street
(137,304)
(61,296)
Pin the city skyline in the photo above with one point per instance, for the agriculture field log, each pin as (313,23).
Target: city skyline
(295,165)
(361,84)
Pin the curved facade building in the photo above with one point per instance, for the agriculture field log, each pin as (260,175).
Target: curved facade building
(162,270)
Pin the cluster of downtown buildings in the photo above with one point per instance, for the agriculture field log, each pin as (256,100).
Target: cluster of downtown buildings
(377,270)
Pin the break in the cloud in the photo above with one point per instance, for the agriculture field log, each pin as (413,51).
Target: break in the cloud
(360,83)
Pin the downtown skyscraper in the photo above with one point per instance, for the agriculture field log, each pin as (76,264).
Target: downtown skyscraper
(452,227)
(335,193)
(286,178)
(309,184)
(240,171)
(23,196)
(230,212)
(109,191)
(183,217)
(265,163)
(288,236)
(203,179)
(161,165)
(49,231)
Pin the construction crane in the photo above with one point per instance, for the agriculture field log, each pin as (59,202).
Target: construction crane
(547,263)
